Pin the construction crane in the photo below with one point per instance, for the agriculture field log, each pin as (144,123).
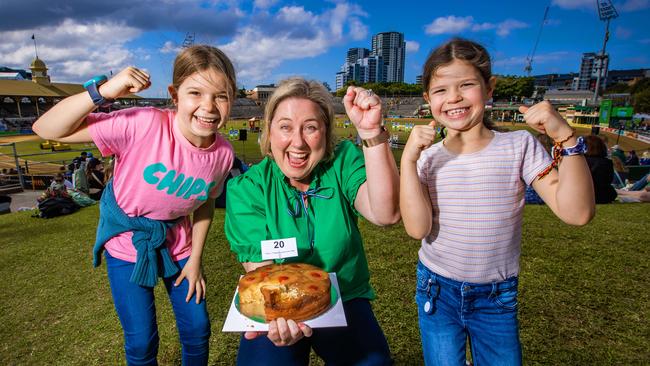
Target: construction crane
(529,59)
(606,12)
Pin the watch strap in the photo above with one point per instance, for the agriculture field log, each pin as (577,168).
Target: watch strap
(92,86)
(376,140)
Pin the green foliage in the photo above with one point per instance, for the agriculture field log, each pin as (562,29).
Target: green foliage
(508,87)
(386,89)
(617,88)
(642,101)
(641,85)
(583,291)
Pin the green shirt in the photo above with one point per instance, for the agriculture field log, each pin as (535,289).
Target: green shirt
(261,205)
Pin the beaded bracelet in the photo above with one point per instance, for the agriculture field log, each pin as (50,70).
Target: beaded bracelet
(556,153)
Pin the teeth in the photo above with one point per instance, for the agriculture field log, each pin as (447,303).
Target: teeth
(297,155)
(205,120)
(453,112)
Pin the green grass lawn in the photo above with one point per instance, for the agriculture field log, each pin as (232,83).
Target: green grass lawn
(584,291)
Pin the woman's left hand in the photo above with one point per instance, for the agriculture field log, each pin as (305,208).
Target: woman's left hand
(193,273)
(364,109)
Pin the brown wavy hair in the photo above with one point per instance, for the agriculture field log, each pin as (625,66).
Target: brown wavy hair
(464,50)
(200,58)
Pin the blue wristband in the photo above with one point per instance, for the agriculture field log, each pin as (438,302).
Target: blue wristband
(92,86)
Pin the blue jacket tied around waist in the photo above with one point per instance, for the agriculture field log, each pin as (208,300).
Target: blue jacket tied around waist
(148,239)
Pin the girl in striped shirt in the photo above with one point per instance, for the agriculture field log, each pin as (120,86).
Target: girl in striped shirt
(464,198)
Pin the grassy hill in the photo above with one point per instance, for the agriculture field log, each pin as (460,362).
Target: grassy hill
(583,291)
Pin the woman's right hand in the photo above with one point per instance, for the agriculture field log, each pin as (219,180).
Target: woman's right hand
(129,80)
(421,137)
(283,332)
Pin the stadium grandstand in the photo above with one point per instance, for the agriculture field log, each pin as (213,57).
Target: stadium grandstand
(25,96)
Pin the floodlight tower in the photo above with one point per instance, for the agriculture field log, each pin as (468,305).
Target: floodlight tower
(189,40)
(606,12)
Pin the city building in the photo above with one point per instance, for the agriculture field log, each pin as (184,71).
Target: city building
(261,93)
(355,54)
(626,76)
(392,48)
(556,81)
(418,79)
(368,69)
(589,68)
(385,63)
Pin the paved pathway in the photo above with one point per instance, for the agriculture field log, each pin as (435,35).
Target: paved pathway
(24,199)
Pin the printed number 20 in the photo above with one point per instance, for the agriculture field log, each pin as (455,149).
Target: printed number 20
(278,244)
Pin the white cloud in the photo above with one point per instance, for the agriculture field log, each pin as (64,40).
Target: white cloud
(504,28)
(483,26)
(256,51)
(170,47)
(633,5)
(574,4)
(453,24)
(553,57)
(625,6)
(295,15)
(72,51)
(264,4)
(412,46)
(622,33)
(450,24)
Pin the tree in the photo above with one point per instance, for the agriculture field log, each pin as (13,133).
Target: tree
(640,85)
(241,93)
(386,89)
(642,101)
(508,87)
(617,88)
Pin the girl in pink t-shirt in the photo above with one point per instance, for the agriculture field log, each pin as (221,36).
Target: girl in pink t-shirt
(169,165)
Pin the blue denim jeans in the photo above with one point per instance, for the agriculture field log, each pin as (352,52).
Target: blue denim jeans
(449,312)
(362,342)
(136,308)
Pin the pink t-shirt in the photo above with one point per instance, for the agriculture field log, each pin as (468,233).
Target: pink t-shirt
(158,173)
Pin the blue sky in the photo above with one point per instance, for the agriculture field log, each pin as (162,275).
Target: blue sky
(272,39)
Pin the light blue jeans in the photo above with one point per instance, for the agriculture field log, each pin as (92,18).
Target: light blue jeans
(136,308)
(450,311)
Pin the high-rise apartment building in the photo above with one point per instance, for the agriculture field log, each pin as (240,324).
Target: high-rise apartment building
(384,63)
(367,69)
(355,54)
(589,68)
(392,48)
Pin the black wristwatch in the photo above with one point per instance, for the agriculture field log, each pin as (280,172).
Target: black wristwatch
(92,86)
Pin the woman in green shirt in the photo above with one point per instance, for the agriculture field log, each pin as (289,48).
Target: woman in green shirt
(313,190)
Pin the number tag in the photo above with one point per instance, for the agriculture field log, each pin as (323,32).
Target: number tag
(279,248)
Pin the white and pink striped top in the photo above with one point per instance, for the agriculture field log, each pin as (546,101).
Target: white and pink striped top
(478,201)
